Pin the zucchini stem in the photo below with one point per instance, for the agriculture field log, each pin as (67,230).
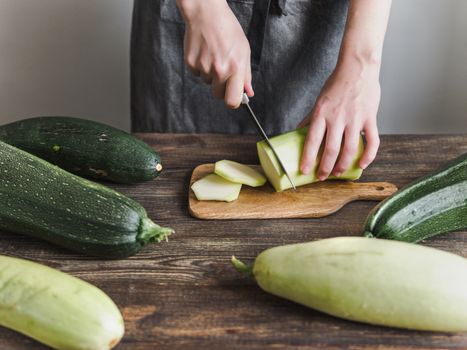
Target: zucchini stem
(151,232)
(241,267)
(368,234)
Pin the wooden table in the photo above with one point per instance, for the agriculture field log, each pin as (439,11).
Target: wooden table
(183,294)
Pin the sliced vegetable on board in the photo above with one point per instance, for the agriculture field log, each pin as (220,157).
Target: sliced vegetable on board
(375,281)
(56,309)
(289,147)
(215,188)
(42,200)
(239,173)
(433,204)
(85,147)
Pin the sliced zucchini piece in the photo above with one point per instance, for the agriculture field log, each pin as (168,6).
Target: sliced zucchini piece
(213,187)
(239,173)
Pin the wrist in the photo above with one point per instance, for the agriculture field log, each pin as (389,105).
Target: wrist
(191,9)
(359,60)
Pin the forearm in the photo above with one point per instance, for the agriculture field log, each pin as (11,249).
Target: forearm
(362,44)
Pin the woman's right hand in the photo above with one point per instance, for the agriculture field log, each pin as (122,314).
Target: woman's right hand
(216,49)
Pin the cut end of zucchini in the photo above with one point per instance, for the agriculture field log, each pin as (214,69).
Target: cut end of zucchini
(158,167)
(213,187)
(289,147)
(239,173)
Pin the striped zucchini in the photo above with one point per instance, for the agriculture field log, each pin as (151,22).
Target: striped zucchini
(42,200)
(434,204)
(85,148)
(56,309)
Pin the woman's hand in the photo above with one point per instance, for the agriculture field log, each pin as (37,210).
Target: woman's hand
(216,48)
(349,101)
(347,105)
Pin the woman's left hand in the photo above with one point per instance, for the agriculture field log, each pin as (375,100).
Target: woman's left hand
(347,105)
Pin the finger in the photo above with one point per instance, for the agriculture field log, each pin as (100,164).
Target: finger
(350,149)
(234,90)
(204,63)
(248,87)
(313,141)
(331,151)
(372,145)
(218,88)
(191,52)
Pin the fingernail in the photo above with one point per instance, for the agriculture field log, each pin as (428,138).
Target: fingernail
(321,177)
(363,166)
(305,170)
(337,173)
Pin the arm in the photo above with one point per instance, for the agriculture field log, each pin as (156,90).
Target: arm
(216,48)
(349,101)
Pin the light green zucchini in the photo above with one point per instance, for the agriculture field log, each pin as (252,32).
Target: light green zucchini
(289,147)
(56,309)
(376,281)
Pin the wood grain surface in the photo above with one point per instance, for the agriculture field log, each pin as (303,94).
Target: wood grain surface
(183,294)
(311,201)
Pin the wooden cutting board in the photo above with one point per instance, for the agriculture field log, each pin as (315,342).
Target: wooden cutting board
(310,201)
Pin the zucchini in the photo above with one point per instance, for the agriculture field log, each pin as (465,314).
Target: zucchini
(289,147)
(212,187)
(374,281)
(434,204)
(44,201)
(239,173)
(56,309)
(85,148)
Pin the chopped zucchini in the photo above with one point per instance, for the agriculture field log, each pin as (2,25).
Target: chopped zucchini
(212,187)
(239,173)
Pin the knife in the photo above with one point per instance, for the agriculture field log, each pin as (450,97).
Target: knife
(246,103)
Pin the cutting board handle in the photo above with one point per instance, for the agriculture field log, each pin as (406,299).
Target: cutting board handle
(375,190)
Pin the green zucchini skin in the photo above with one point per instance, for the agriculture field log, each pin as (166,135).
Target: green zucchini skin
(434,204)
(42,200)
(56,309)
(375,281)
(85,148)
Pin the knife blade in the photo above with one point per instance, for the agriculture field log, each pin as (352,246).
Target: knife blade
(246,103)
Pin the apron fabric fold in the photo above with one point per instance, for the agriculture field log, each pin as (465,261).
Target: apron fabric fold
(294,47)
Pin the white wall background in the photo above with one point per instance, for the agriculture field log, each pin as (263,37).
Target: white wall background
(70,57)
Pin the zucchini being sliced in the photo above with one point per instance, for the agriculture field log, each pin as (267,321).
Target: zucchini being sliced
(289,147)
(239,173)
(213,187)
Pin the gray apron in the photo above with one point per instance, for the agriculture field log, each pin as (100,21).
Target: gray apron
(294,47)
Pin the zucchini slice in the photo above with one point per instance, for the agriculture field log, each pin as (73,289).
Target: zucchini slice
(239,173)
(213,187)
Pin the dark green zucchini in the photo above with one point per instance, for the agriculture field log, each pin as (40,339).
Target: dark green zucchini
(434,204)
(85,148)
(42,200)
